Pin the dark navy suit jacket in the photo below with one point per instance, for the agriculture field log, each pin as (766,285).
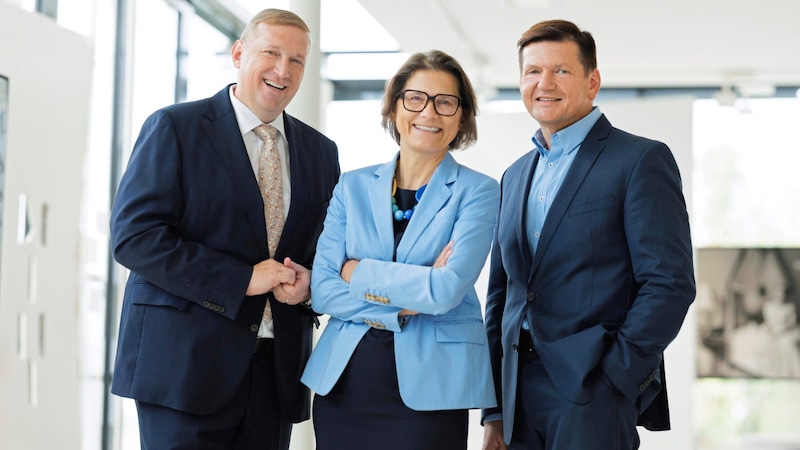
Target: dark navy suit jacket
(611,280)
(188,221)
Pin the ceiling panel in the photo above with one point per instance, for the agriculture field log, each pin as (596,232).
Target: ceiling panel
(640,42)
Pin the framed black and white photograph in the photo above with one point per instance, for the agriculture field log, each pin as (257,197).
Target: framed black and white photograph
(748,311)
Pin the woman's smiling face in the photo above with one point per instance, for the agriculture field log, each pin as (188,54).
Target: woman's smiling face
(427,131)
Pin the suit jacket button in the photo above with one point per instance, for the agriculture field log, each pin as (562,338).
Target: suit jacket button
(531,296)
(254,328)
(642,387)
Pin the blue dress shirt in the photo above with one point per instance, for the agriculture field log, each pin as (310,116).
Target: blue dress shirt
(550,171)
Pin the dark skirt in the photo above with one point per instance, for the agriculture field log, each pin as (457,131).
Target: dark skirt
(364,410)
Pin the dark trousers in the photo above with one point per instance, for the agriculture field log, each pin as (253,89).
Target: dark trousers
(545,420)
(250,420)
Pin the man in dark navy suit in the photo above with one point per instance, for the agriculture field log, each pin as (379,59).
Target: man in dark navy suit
(207,366)
(591,269)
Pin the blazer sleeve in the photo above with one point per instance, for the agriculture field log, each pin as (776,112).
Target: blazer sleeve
(148,233)
(330,293)
(493,317)
(422,288)
(417,287)
(659,243)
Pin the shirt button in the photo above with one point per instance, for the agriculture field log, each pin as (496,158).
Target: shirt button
(536,234)
(550,165)
(541,198)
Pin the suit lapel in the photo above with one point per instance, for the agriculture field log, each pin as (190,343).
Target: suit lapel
(222,129)
(437,193)
(301,168)
(520,203)
(379,191)
(587,154)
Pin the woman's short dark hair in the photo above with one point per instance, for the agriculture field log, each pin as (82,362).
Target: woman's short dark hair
(437,61)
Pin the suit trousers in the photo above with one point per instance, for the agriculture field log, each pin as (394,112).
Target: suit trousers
(250,419)
(546,420)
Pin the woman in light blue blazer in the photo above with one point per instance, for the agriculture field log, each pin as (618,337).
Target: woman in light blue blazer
(404,354)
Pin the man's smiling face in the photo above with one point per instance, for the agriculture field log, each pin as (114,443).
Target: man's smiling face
(270,64)
(554,84)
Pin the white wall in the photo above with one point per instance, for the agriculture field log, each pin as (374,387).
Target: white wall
(49,73)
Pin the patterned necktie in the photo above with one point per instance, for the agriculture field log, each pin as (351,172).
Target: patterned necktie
(271,185)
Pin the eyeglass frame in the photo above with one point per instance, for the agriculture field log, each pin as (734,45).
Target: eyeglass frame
(430,98)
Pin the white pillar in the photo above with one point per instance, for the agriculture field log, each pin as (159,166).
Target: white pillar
(307,105)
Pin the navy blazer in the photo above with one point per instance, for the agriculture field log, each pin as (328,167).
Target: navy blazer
(611,280)
(188,221)
(442,353)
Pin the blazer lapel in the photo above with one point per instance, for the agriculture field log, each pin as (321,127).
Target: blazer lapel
(587,154)
(379,192)
(219,123)
(436,195)
(301,168)
(521,203)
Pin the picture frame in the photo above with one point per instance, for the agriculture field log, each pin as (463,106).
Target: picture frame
(748,313)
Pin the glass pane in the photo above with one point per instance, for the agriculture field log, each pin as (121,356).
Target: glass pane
(209,67)
(154,65)
(3,134)
(745,177)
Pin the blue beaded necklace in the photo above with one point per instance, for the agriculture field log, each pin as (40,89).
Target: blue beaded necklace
(398,214)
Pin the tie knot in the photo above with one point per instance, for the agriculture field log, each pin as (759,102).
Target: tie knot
(266,132)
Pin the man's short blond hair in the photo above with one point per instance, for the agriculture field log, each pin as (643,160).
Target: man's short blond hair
(273,16)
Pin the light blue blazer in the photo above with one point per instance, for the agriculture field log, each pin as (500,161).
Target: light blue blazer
(442,353)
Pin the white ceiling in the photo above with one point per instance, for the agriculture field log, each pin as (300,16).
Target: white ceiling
(750,44)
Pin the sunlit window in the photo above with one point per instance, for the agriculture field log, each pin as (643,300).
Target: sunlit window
(746,160)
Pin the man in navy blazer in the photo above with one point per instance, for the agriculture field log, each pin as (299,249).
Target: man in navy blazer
(206,369)
(591,267)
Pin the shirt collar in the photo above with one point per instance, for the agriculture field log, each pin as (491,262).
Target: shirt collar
(570,138)
(247,120)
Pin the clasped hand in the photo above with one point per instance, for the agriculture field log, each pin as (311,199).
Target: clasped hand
(289,282)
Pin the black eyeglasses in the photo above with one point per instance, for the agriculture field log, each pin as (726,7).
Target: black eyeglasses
(443,104)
